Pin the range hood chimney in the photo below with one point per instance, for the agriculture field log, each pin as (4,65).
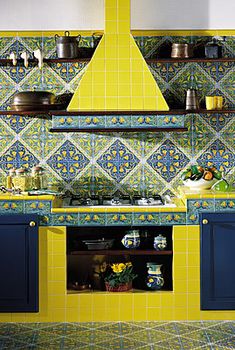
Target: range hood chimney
(117,77)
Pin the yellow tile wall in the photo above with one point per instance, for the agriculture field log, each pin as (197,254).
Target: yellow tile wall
(58,306)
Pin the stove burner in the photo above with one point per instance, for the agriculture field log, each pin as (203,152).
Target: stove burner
(120,200)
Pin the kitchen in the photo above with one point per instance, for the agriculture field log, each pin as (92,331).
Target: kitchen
(115,159)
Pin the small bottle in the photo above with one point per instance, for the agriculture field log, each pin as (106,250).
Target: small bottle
(12,173)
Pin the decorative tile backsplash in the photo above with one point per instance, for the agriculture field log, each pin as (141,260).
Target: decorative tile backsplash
(130,162)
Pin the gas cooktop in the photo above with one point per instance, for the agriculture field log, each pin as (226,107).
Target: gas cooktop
(118,201)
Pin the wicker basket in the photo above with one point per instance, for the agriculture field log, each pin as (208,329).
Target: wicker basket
(121,288)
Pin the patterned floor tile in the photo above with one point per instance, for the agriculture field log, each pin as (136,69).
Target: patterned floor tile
(213,335)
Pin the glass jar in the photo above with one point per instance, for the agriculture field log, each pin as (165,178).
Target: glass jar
(21,180)
(39,180)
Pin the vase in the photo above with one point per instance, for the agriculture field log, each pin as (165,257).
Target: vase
(155,280)
(121,288)
(131,239)
(160,242)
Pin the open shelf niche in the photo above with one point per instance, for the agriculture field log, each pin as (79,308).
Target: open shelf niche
(83,264)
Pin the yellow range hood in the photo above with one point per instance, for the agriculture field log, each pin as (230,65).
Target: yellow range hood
(117,78)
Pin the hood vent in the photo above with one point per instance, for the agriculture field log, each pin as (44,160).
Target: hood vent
(117,78)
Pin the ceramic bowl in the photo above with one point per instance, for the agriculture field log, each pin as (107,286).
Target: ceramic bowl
(199,184)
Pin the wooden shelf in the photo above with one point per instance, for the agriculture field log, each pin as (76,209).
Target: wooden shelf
(171,112)
(186,60)
(148,60)
(46,60)
(122,252)
(136,129)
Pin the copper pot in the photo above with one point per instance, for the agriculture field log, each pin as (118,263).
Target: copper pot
(181,50)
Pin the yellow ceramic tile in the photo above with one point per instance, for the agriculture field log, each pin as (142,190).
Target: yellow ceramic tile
(193,246)
(194,259)
(193,272)
(167,301)
(180,259)
(140,314)
(126,313)
(153,299)
(111,103)
(58,247)
(154,314)
(124,90)
(180,300)
(180,314)
(137,103)
(180,273)
(167,314)
(124,103)
(59,274)
(180,246)
(193,286)
(72,315)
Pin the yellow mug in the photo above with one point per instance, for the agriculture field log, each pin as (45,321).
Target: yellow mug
(210,103)
(218,102)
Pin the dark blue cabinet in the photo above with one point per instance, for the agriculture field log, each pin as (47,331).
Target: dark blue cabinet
(18,263)
(217,261)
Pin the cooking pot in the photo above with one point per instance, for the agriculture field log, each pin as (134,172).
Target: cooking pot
(67,46)
(33,100)
(181,50)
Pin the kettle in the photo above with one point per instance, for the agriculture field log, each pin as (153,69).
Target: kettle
(67,46)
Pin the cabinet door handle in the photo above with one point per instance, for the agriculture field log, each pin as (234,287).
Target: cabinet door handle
(205,221)
(32,224)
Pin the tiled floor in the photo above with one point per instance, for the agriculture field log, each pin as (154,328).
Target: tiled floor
(118,335)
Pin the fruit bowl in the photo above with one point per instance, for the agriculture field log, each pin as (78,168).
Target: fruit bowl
(200,184)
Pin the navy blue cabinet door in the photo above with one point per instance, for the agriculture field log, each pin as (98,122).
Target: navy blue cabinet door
(18,263)
(217,261)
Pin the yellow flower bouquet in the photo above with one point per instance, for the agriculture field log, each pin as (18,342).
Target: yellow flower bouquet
(117,277)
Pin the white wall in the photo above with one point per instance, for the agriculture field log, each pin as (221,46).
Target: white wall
(88,14)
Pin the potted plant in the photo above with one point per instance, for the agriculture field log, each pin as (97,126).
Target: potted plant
(117,277)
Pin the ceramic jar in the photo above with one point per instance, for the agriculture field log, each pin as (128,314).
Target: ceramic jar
(160,242)
(131,239)
(155,280)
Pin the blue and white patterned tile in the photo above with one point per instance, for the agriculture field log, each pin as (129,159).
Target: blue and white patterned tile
(219,155)
(172,219)
(17,156)
(92,219)
(68,219)
(146,219)
(225,205)
(118,161)
(168,160)
(40,207)
(68,161)
(11,207)
(119,219)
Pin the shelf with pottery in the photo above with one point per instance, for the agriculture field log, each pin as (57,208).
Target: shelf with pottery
(93,250)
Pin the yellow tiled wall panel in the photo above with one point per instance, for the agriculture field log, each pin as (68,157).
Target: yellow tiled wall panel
(183,303)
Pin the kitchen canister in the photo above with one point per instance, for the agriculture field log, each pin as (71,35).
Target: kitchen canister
(155,280)
(160,242)
(131,239)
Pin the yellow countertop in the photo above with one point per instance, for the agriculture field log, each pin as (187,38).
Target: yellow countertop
(187,193)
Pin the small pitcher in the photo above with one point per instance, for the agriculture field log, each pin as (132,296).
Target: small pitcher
(155,278)
(131,239)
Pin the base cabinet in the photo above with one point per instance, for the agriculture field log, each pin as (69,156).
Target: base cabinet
(18,263)
(217,261)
